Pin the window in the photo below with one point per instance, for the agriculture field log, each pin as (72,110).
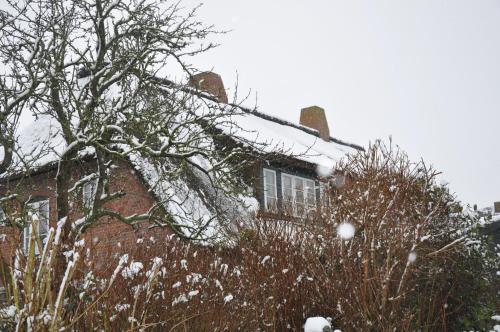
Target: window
(89,191)
(3,295)
(299,194)
(3,217)
(40,209)
(270,192)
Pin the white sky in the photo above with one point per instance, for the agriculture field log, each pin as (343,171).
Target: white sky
(426,72)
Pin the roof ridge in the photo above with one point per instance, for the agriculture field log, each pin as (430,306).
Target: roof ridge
(306,129)
(255,112)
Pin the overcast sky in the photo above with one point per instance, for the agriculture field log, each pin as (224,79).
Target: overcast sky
(425,72)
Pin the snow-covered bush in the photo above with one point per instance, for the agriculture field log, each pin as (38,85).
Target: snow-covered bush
(405,258)
(415,260)
(38,298)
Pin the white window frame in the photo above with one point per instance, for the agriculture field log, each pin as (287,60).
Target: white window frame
(266,194)
(307,207)
(89,191)
(35,208)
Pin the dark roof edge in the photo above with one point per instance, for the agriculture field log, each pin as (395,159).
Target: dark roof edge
(45,168)
(264,116)
(308,130)
(19,175)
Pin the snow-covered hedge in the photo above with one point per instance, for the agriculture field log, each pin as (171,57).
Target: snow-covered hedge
(390,251)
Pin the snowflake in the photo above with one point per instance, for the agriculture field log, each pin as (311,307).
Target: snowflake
(346,231)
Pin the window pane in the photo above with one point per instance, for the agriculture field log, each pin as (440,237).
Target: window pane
(271,191)
(287,190)
(287,182)
(309,184)
(299,184)
(26,237)
(270,178)
(270,194)
(44,211)
(299,197)
(89,191)
(288,195)
(270,182)
(310,193)
(271,204)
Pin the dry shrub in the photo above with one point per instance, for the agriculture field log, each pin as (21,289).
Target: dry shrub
(412,264)
(259,285)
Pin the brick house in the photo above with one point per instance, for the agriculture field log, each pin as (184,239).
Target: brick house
(279,182)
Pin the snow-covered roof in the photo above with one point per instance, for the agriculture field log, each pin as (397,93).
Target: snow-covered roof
(38,144)
(270,133)
(301,142)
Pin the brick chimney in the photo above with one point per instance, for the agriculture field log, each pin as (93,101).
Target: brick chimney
(314,117)
(211,83)
(496,207)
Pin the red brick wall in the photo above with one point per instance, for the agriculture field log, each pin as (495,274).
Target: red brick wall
(39,185)
(108,236)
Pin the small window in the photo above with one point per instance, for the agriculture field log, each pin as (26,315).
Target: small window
(89,191)
(299,195)
(3,295)
(270,192)
(39,209)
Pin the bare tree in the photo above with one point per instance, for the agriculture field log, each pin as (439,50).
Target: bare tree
(94,67)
